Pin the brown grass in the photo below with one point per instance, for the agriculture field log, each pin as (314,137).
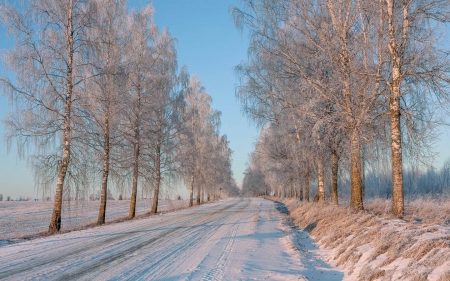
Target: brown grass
(445,277)
(417,252)
(373,275)
(425,210)
(422,245)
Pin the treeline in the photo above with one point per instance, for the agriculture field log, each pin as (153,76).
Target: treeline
(97,101)
(425,182)
(343,90)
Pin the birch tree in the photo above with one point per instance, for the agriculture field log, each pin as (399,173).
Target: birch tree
(411,44)
(319,45)
(49,41)
(163,119)
(141,55)
(196,117)
(102,91)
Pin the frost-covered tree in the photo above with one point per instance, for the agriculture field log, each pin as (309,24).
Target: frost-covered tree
(163,118)
(141,56)
(47,61)
(104,66)
(416,71)
(205,157)
(335,65)
(196,116)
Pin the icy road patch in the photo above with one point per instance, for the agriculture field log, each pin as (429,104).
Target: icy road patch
(234,239)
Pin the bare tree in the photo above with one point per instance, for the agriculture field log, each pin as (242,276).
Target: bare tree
(46,60)
(412,47)
(141,55)
(320,51)
(163,119)
(196,137)
(102,91)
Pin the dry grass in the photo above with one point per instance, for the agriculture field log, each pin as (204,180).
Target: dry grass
(425,210)
(371,274)
(445,277)
(383,247)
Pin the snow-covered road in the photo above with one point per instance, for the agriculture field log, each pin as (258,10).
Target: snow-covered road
(234,239)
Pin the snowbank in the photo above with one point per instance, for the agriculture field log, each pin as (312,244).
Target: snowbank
(368,246)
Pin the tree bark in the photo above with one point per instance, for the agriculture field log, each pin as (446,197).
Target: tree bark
(191,192)
(158,180)
(202,196)
(198,194)
(136,153)
(363,176)
(106,153)
(356,202)
(320,185)
(301,191)
(307,184)
(295,191)
(396,50)
(334,177)
(397,167)
(55,222)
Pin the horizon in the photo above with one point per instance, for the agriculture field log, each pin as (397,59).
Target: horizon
(210,46)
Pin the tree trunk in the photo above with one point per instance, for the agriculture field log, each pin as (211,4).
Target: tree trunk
(104,195)
(334,177)
(320,185)
(397,169)
(363,176)
(202,197)
(301,191)
(355,154)
(55,222)
(307,184)
(191,192)
(136,131)
(198,194)
(158,180)
(396,50)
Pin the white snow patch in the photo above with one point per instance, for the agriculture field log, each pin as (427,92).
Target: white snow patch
(234,239)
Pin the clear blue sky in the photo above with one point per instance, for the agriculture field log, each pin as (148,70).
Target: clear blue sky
(210,45)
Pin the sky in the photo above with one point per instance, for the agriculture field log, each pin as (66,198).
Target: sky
(210,45)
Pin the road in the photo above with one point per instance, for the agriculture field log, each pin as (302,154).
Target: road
(234,239)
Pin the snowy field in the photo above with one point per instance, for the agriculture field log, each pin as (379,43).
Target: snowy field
(25,218)
(233,239)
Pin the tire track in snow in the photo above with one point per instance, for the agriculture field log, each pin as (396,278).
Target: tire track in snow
(78,251)
(124,251)
(67,251)
(235,239)
(187,242)
(217,273)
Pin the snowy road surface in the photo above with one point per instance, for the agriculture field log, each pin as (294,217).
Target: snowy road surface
(234,239)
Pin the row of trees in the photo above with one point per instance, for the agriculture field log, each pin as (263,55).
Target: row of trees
(342,85)
(97,100)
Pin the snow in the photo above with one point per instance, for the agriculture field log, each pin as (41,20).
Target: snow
(233,239)
(25,218)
